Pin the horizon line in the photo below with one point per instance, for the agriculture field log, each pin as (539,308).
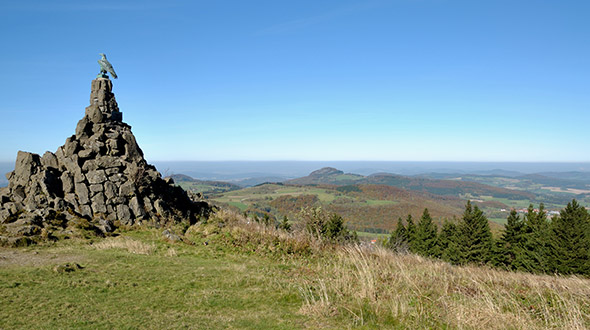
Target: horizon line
(364,160)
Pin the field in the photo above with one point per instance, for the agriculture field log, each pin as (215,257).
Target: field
(367,208)
(373,203)
(201,186)
(233,274)
(555,192)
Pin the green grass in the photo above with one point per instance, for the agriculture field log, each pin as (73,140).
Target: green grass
(501,221)
(235,274)
(201,187)
(366,235)
(380,202)
(239,205)
(347,177)
(516,203)
(273,191)
(201,287)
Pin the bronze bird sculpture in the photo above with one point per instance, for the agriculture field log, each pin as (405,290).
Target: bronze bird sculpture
(105,66)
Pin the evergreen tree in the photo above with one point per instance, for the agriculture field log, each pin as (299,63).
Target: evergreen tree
(285,225)
(335,227)
(398,241)
(425,236)
(474,236)
(569,239)
(336,231)
(447,243)
(266,219)
(534,257)
(509,246)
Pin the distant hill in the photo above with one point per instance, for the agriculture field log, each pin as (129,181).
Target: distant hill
(182,178)
(327,175)
(326,171)
(250,182)
(203,186)
(575,180)
(447,187)
(434,186)
(366,207)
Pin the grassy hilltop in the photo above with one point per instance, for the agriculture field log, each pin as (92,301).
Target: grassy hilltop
(232,272)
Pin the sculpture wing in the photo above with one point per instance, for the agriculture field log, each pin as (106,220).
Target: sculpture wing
(112,71)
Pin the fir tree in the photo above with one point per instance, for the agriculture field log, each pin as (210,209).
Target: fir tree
(425,236)
(509,246)
(447,242)
(474,236)
(534,255)
(335,227)
(266,219)
(336,231)
(411,232)
(285,225)
(569,238)
(398,241)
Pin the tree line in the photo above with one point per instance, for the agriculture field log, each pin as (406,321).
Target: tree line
(532,242)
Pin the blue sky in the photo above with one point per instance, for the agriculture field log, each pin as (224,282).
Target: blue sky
(401,80)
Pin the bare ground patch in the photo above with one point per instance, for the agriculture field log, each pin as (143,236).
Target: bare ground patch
(20,257)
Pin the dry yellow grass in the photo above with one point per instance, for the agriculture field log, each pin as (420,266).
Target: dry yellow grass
(375,285)
(132,246)
(171,252)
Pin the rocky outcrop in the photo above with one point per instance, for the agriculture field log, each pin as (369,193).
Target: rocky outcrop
(98,175)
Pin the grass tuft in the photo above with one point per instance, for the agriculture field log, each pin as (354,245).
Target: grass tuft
(131,245)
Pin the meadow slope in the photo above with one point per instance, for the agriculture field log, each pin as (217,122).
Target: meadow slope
(233,273)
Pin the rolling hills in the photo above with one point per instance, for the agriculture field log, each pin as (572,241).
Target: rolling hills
(365,207)
(455,188)
(374,202)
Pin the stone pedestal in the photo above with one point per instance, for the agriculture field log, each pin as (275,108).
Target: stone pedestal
(102,99)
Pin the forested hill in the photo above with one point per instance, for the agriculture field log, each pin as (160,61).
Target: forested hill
(203,186)
(433,186)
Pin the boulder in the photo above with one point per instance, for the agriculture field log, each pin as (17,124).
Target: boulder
(82,193)
(67,182)
(96,177)
(49,160)
(171,236)
(26,165)
(124,214)
(136,207)
(98,203)
(110,190)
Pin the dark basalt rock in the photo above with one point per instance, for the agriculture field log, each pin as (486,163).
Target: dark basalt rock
(99,175)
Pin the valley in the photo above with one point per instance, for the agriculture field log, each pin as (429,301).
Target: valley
(373,203)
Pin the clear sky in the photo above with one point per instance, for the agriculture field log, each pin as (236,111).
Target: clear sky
(419,80)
